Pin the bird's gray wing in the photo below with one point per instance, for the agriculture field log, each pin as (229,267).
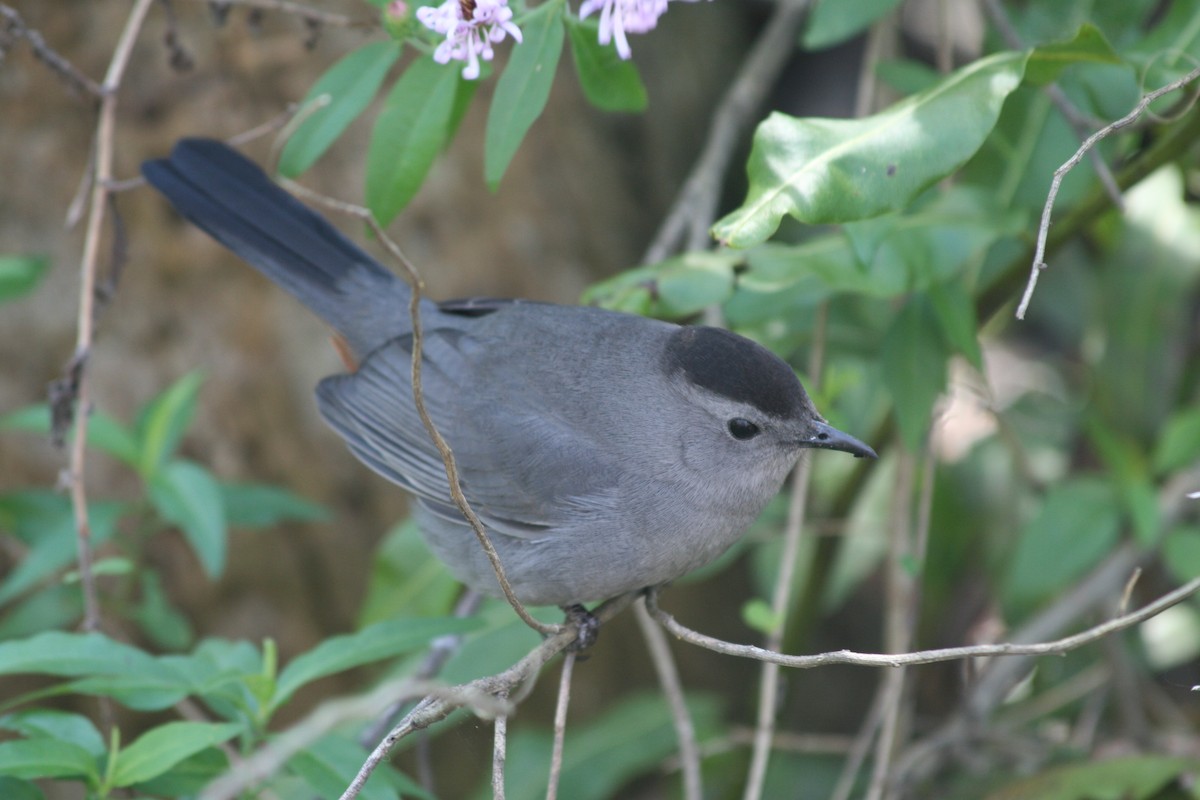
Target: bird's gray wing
(524,472)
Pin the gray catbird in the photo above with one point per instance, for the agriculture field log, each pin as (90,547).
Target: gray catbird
(604,452)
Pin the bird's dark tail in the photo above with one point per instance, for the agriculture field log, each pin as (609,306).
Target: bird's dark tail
(233,200)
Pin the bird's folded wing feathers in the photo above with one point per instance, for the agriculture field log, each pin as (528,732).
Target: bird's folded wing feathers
(523,476)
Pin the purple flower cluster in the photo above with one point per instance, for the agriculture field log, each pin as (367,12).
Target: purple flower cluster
(472,26)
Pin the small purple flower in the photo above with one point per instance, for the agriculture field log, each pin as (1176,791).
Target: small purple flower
(621,17)
(470,28)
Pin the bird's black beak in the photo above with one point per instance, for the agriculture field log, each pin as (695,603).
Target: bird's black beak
(827,437)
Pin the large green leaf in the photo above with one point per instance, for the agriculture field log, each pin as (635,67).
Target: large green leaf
(832,170)
(409,134)
(161,748)
(1076,525)
(609,82)
(188,495)
(379,641)
(914,368)
(407,580)
(523,88)
(334,101)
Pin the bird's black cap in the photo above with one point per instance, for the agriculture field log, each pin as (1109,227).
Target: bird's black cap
(735,367)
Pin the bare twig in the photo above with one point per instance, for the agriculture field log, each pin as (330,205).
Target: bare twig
(1056,647)
(414,309)
(14,27)
(672,686)
(781,600)
(1039,255)
(499,754)
(437,707)
(560,725)
(694,209)
(87,298)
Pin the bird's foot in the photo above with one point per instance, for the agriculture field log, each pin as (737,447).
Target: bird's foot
(586,625)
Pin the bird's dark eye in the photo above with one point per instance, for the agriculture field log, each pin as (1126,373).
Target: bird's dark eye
(741,428)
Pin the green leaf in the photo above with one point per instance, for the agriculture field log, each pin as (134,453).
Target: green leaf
(17,789)
(58,725)
(407,580)
(334,101)
(829,170)
(104,432)
(1179,443)
(1047,61)
(256,505)
(189,777)
(331,763)
(20,274)
(602,756)
(1127,778)
(161,748)
(955,312)
(609,82)
(523,88)
(187,495)
(1181,553)
(47,758)
(759,615)
(379,641)
(54,545)
(162,422)
(694,281)
(914,369)
(834,21)
(1077,524)
(409,134)
(162,622)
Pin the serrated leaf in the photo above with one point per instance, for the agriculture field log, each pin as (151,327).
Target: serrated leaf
(379,641)
(1077,524)
(161,748)
(409,134)
(163,421)
(258,505)
(834,21)
(187,495)
(609,82)
(348,88)
(20,274)
(523,88)
(47,758)
(830,170)
(914,369)
(1047,61)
